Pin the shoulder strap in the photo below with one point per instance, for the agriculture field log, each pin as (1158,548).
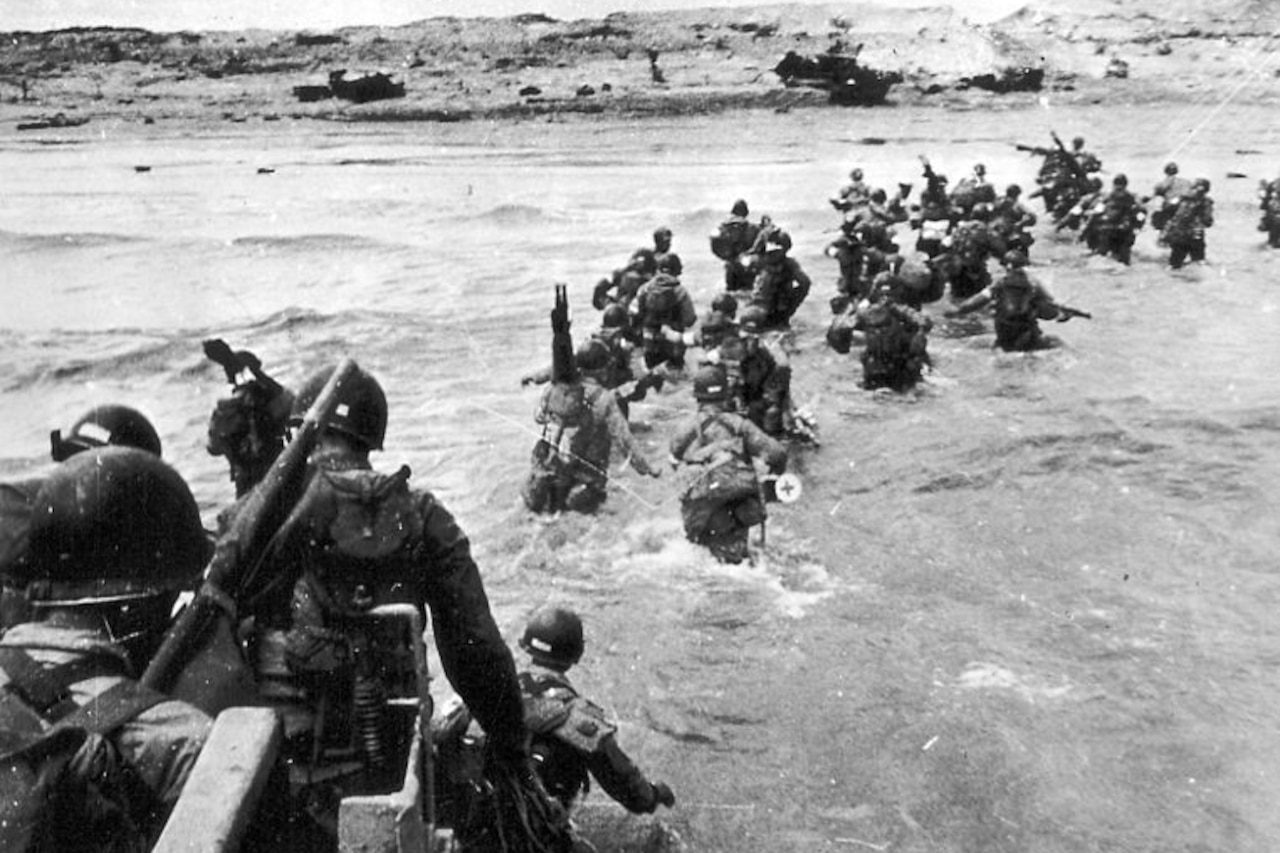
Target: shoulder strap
(112,708)
(48,689)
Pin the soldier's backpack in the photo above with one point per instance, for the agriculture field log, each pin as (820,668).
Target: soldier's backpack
(659,302)
(64,788)
(888,341)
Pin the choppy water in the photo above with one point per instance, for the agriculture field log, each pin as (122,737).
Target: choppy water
(1027,609)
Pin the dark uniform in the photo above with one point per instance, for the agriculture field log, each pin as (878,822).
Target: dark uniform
(1117,222)
(896,349)
(362,539)
(663,310)
(1020,303)
(1186,227)
(781,286)
(721,499)
(731,242)
(115,537)
(582,426)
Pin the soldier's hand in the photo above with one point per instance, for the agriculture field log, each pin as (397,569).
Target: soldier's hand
(662,793)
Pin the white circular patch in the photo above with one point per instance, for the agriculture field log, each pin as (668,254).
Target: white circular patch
(787,488)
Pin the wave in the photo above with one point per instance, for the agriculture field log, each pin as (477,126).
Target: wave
(303,243)
(22,242)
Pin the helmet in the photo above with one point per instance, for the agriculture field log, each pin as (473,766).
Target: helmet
(593,355)
(1013,190)
(1121,180)
(739,208)
(662,237)
(1171,168)
(1078,142)
(879,196)
(361,412)
(979,169)
(103,425)
(644,261)
(856,174)
(112,523)
(710,383)
(1202,183)
(614,317)
(752,319)
(553,637)
(779,240)
(1014,259)
(715,322)
(726,304)
(670,264)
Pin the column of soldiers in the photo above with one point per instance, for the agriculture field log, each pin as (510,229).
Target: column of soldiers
(95,747)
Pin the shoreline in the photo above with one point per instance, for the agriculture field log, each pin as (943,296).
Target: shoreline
(638,65)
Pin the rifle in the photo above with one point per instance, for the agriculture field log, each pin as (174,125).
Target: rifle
(1075,165)
(239,551)
(1033,149)
(1065,313)
(563,368)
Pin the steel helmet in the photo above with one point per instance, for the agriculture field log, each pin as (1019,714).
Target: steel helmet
(1202,183)
(361,412)
(1078,142)
(1014,259)
(739,208)
(111,524)
(1171,168)
(1013,190)
(553,637)
(753,319)
(591,356)
(725,304)
(669,263)
(104,425)
(1121,180)
(710,383)
(614,317)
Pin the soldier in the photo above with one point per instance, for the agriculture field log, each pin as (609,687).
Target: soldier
(967,249)
(248,428)
(101,426)
(721,500)
(573,738)
(731,243)
(1185,230)
(115,538)
(662,250)
(663,311)
(1269,204)
(571,461)
(104,425)
(1168,190)
(1020,303)
(936,215)
(762,371)
(781,285)
(1114,226)
(359,539)
(895,351)
(1013,221)
(853,194)
(972,190)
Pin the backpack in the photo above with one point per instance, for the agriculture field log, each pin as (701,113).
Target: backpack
(888,341)
(658,303)
(64,787)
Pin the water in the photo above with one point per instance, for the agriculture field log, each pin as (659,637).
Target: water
(1029,608)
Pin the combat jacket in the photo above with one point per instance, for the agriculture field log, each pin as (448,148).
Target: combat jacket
(714,433)
(411,549)
(585,445)
(573,736)
(160,744)
(1190,218)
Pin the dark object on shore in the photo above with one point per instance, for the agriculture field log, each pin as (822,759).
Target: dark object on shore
(1023,79)
(371,87)
(142,168)
(848,82)
(59,120)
